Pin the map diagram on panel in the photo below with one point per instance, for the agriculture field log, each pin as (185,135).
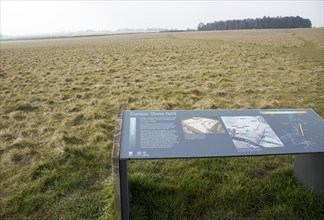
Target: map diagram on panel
(251,133)
(201,125)
(295,132)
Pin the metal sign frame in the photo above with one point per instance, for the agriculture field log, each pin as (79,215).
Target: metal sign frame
(297,137)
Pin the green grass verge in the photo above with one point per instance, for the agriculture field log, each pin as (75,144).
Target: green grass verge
(230,188)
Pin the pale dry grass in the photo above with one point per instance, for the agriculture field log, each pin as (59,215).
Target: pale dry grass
(265,37)
(49,87)
(315,35)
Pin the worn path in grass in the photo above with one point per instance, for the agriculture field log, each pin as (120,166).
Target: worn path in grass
(309,49)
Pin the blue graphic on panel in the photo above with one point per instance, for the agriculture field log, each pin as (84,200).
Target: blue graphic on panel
(296,134)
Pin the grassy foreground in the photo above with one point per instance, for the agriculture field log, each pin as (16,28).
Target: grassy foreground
(58,104)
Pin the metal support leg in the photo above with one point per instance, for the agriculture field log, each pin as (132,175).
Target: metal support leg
(124,194)
(309,170)
(119,172)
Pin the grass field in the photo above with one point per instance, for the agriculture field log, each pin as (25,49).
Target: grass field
(59,100)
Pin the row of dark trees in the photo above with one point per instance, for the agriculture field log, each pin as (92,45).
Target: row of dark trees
(258,23)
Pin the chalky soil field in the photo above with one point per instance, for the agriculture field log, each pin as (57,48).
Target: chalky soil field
(58,104)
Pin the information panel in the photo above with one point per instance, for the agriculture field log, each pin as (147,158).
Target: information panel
(219,133)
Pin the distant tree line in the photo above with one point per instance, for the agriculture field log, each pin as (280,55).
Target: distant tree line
(258,23)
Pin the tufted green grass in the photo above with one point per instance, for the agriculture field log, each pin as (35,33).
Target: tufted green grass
(59,100)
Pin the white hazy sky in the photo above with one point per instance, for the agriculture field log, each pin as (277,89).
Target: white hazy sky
(39,17)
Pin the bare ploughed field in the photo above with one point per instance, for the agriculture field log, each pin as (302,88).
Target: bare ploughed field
(58,104)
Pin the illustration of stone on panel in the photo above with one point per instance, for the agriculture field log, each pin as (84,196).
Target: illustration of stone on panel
(201,125)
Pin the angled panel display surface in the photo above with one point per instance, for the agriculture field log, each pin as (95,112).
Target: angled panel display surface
(219,133)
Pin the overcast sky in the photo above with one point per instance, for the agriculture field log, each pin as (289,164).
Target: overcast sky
(40,17)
